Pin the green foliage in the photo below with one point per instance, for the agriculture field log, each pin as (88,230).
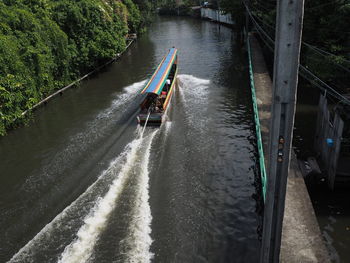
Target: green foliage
(176,3)
(176,7)
(236,9)
(134,18)
(96,31)
(168,4)
(326,25)
(45,44)
(146,8)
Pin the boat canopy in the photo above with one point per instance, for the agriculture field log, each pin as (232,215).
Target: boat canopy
(156,83)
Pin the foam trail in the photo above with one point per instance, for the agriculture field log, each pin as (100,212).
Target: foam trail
(195,95)
(143,131)
(192,90)
(81,249)
(81,141)
(138,241)
(193,80)
(168,125)
(192,86)
(130,92)
(24,254)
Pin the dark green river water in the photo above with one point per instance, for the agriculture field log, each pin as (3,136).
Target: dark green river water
(80,184)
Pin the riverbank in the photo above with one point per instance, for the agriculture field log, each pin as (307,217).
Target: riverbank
(76,82)
(217,16)
(200,12)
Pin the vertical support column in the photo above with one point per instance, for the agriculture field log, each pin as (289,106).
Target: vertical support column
(337,133)
(247,19)
(319,124)
(285,79)
(327,134)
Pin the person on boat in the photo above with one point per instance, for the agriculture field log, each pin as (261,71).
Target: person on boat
(152,107)
(166,87)
(158,105)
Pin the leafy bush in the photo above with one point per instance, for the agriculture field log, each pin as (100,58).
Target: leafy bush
(45,44)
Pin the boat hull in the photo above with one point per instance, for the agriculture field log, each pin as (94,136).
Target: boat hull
(159,91)
(156,118)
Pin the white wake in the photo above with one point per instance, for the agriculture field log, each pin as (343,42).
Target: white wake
(81,249)
(129,93)
(138,242)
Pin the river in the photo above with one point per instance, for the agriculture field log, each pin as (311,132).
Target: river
(79,183)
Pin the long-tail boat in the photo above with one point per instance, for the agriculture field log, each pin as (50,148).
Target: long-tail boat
(159,90)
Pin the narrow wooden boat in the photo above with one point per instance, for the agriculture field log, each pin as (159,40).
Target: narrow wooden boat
(159,91)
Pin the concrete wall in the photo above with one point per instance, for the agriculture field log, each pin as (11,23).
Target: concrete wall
(328,127)
(216,15)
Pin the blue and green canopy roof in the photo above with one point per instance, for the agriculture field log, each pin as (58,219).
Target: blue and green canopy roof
(158,79)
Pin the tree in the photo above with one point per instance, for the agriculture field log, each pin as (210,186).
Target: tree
(45,44)
(237,11)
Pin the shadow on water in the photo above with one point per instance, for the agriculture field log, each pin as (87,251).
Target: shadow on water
(332,210)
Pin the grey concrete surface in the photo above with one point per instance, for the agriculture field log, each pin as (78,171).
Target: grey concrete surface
(301,236)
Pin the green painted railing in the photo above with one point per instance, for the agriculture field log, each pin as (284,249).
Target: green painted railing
(257,125)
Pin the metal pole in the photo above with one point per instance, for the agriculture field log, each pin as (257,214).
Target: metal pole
(219,14)
(247,20)
(285,79)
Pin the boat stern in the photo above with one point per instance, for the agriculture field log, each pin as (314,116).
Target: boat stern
(154,119)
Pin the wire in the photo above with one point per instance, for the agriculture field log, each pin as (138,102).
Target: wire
(263,6)
(266,3)
(303,71)
(328,62)
(262,33)
(322,5)
(271,27)
(314,48)
(325,87)
(332,96)
(258,26)
(323,52)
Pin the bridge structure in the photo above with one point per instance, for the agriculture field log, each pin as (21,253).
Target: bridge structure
(301,239)
(291,232)
(290,228)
